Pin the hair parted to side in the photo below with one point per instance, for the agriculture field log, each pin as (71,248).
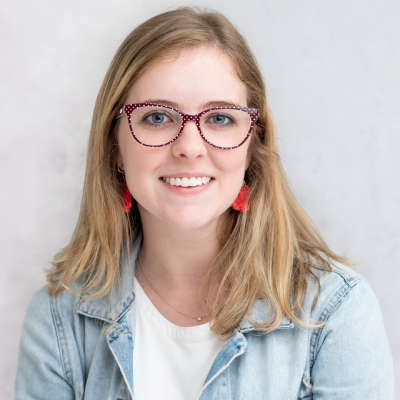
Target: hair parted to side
(267,252)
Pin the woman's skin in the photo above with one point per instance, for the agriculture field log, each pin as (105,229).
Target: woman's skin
(180,225)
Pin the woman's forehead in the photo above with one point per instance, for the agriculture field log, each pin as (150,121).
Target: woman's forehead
(190,78)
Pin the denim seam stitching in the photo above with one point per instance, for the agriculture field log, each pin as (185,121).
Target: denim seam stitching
(228,383)
(87,314)
(350,279)
(222,369)
(325,314)
(124,310)
(118,361)
(65,361)
(91,314)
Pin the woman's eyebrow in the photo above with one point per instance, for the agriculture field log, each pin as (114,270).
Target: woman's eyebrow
(220,103)
(210,104)
(161,101)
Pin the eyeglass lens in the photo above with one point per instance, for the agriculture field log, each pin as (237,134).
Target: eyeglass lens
(154,125)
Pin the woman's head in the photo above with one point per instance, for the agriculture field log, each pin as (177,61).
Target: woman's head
(198,80)
(166,39)
(265,252)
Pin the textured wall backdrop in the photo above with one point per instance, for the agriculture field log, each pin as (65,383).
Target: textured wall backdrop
(331,70)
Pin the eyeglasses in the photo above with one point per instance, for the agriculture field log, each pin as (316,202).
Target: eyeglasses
(157,125)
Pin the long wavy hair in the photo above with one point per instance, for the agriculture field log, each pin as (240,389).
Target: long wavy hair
(267,252)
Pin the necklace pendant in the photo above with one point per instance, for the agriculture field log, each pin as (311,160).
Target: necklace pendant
(198,318)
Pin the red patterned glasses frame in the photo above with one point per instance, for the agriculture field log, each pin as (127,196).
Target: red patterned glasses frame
(129,108)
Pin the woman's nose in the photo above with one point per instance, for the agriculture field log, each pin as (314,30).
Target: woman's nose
(189,144)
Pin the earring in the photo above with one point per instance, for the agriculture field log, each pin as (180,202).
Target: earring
(121,171)
(238,204)
(125,193)
(126,199)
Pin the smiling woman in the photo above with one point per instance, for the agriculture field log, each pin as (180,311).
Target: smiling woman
(185,147)
(193,273)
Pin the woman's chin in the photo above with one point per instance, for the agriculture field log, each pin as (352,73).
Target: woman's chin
(191,222)
(183,218)
(192,219)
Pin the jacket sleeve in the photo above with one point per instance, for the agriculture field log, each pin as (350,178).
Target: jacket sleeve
(42,372)
(352,357)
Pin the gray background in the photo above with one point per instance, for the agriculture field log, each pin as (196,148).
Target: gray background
(332,74)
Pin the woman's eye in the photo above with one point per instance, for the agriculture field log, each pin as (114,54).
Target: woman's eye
(221,119)
(157,118)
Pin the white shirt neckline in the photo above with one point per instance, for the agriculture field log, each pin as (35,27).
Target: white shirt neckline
(180,333)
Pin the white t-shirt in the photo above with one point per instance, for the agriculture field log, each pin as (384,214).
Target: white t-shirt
(170,362)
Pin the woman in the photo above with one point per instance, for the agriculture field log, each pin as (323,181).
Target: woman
(193,273)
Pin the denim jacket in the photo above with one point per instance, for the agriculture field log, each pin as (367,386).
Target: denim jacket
(83,349)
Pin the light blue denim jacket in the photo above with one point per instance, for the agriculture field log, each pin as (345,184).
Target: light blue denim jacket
(74,349)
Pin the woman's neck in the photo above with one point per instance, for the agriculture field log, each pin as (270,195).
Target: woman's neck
(178,258)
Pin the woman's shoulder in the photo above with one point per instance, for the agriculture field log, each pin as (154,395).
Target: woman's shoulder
(337,274)
(53,311)
(42,302)
(346,305)
(71,310)
(332,286)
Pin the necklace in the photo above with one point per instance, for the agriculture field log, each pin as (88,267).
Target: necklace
(190,316)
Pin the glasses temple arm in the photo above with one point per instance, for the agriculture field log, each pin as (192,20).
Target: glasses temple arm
(260,130)
(120,113)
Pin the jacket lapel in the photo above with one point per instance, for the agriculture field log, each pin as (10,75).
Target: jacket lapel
(113,308)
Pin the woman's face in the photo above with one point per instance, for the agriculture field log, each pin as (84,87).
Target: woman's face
(196,80)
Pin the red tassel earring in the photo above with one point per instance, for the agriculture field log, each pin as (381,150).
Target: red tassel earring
(126,199)
(238,204)
(126,194)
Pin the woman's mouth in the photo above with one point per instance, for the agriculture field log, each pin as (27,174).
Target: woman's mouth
(188,182)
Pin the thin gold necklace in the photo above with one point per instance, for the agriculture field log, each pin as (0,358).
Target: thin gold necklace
(190,316)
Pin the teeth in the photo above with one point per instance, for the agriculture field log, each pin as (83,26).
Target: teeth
(186,182)
(193,181)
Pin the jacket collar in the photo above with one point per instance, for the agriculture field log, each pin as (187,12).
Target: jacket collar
(258,314)
(115,304)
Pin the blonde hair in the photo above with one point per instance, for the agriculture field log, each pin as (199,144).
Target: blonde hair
(266,253)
